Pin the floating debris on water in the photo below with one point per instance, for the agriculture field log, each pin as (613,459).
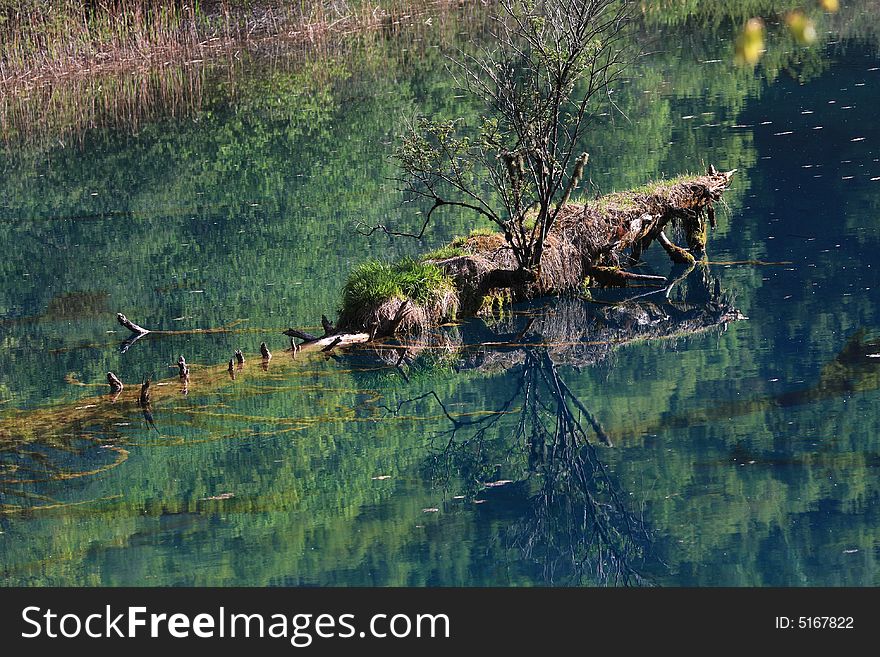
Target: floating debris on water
(496,484)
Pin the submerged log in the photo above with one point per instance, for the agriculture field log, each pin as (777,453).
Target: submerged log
(617,277)
(676,253)
(137,332)
(144,397)
(302,335)
(114,382)
(130,325)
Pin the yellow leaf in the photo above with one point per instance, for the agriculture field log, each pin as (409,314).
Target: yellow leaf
(750,43)
(802,27)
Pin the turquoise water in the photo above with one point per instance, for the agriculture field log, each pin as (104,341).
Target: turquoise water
(743,428)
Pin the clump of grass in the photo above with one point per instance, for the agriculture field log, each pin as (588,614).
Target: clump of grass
(445,252)
(375,282)
(660,187)
(482,232)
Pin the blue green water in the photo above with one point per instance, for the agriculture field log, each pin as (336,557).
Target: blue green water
(744,454)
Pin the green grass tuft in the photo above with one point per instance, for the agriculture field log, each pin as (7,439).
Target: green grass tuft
(657,187)
(375,282)
(444,252)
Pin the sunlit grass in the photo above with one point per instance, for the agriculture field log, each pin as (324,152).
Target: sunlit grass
(443,253)
(374,282)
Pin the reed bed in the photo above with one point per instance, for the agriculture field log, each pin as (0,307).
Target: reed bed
(44,39)
(56,105)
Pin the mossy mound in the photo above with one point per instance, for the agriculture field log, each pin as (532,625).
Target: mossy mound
(410,294)
(589,241)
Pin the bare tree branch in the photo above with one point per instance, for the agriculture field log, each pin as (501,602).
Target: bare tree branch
(553,62)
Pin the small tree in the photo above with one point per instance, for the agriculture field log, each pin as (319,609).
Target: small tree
(552,60)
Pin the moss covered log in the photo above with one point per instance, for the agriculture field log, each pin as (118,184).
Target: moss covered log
(590,244)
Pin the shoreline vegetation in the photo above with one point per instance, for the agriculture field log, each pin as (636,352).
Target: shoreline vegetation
(64,101)
(61,78)
(41,42)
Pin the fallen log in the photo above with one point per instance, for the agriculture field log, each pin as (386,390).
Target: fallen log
(130,325)
(302,335)
(590,243)
(617,277)
(676,253)
(140,331)
(332,345)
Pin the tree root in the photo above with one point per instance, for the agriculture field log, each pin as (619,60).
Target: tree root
(617,277)
(677,254)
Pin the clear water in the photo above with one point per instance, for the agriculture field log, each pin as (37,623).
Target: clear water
(745,454)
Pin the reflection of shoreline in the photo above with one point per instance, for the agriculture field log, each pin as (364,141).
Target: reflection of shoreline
(63,110)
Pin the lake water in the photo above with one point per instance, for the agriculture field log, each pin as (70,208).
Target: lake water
(742,454)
